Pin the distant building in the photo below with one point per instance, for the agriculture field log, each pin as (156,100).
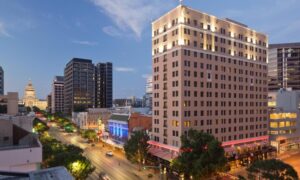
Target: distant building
(30,100)
(95,119)
(284,66)
(57,96)
(131,101)
(104,85)
(284,121)
(79,85)
(20,150)
(138,122)
(49,102)
(1,81)
(9,103)
(149,93)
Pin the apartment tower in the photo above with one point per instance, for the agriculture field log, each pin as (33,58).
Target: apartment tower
(284,66)
(209,74)
(1,81)
(79,85)
(57,96)
(104,87)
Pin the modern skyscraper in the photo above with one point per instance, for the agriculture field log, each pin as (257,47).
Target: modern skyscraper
(209,74)
(104,85)
(57,95)
(1,81)
(79,85)
(284,66)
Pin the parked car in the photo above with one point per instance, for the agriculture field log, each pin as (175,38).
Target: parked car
(103,176)
(109,153)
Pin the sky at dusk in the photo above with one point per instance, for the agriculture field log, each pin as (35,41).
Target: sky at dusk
(38,38)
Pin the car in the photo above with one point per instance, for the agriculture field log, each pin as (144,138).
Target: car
(109,153)
(103,176)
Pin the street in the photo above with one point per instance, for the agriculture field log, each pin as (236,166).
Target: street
(292,158)
(116,167)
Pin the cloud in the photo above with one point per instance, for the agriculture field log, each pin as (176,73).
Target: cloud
(133,15)
(124,69)
(3,31)
(146,76)
(111,31)
(86,43)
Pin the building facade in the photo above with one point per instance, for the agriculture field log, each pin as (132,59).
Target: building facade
(95,119)
(104,85)
(9,103)
(1,81)
(79,85)
(57,95)
(285,121)
(284,66)
(209,74)
(118,127)
(20,144)
(30,99)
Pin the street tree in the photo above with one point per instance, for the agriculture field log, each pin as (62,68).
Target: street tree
(56,153)
(136,148)
(201,155)
(272,169)
(90,134)
(39,126)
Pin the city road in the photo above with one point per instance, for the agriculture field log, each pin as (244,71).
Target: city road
(116,167)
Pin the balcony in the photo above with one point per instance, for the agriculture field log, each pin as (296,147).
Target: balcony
(165,97)
(165,125)
(165,106)
(165,88)
(165,116)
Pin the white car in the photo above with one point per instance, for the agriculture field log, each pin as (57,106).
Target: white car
(103,176)
(109,153)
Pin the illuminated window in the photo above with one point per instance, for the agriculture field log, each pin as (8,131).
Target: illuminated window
(281,124)
(283,116)
(274,125)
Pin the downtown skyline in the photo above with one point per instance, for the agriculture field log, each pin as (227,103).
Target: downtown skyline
(38,39)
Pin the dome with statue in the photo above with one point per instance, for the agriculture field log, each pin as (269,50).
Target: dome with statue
(30,99)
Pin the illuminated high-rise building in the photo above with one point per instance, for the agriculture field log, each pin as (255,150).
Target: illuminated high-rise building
(284,66)
(79,85)
(209,74)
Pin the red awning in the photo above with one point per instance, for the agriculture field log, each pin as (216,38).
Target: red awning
(163,154)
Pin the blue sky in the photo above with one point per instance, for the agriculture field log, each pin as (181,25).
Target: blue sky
(37,38)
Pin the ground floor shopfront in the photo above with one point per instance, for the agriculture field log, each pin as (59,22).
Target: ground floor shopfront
(286,144)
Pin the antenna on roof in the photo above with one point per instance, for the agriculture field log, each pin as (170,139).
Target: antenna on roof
(180,2)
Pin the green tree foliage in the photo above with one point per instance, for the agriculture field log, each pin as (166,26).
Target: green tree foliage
(136,148)
(36,109)
(201,155)
(272,169)
(89,134)
(28,109)
(39,126)
(57,154)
